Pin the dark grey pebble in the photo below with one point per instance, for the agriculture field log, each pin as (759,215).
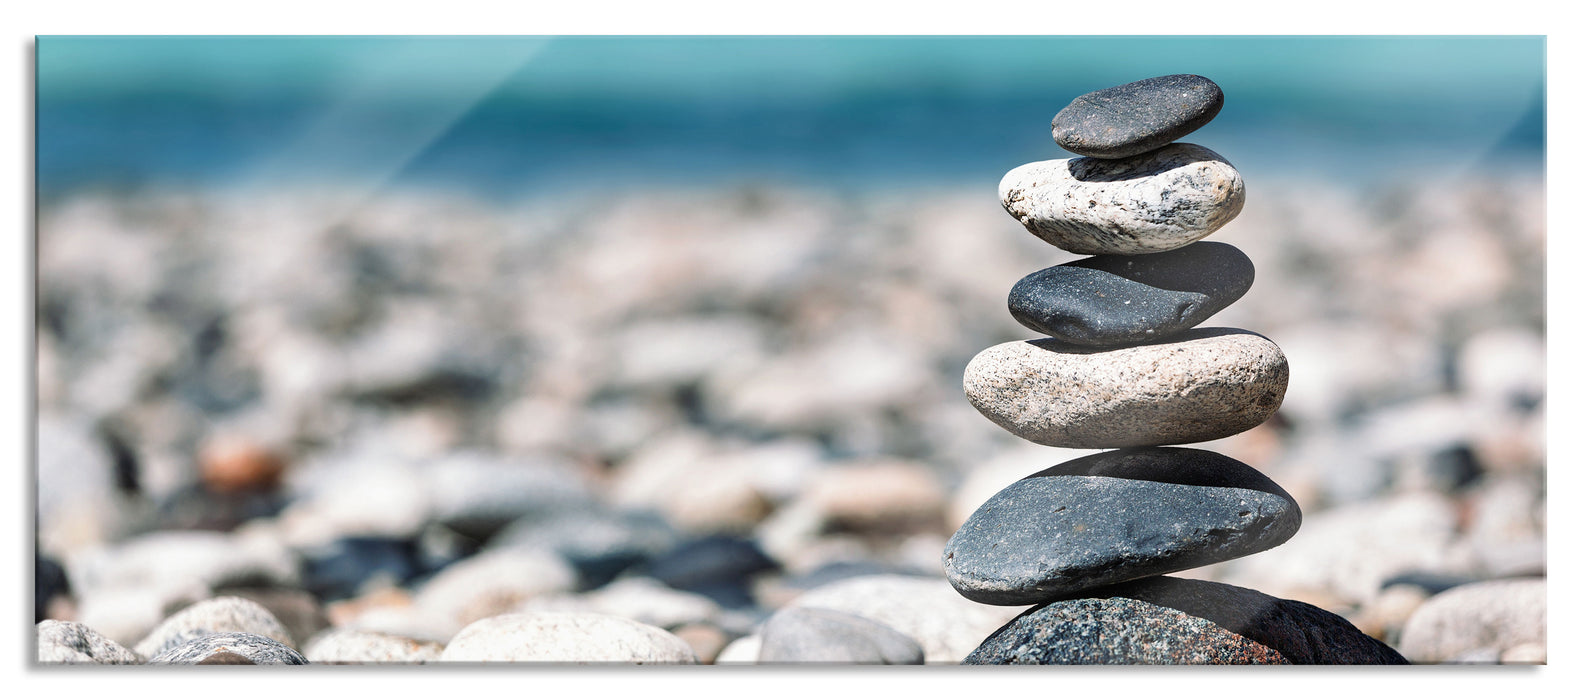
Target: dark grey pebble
(49,580)
(819,635)
(1112,517)
(1116,631)
(720,567)
(339,569)
(1137,117)
(1302,633)
(255,648)
(1109,300)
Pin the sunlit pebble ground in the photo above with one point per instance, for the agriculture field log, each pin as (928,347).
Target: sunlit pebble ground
(774,363)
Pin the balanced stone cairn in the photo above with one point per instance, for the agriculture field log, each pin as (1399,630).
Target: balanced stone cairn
(1124,367)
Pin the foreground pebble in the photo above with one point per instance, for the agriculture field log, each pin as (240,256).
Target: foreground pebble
(1115,516)
(926,609)
(1117,631)
(1491,617)
(1111,300)
(563,637)
(363,647)
(223,614)
(229,648)
(1206,384)
(63,642)
(819,635)
(1150,203)
(1138,117)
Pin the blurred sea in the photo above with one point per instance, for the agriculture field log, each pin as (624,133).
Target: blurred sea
(501,116)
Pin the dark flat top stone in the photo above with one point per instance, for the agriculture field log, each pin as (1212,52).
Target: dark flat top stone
(1302,633)
(1116,631)
(1112,517)
(1137,117)
(1110,300)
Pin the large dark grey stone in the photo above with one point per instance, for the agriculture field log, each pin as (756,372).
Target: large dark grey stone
(1112,517)
(821,635)
(1302,633)
(1110,300)
(1116,631)
(1137,117)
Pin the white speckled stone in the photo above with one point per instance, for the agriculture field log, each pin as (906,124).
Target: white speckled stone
(561,637)
(223,614)
(344,646)
(62,642)
(1206,384)
(1157,201)
(1488,617)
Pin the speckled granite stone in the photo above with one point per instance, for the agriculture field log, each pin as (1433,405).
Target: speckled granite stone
(1204,384)
(563,637)
(223,614)
(1116,631)
(820,635)
(1138,117)
(63,642)
(1151,203)
(1110,300)
(347,646)
(1112,517)
(255,648)
(1302,633)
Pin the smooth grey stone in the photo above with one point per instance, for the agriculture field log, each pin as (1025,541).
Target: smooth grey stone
(1112,517)
(1205,384)
(821,635)
(1302,633)
(1111,300)
(1137,117)
(1116,631)
(254,648)
(1151,203)
(63,642)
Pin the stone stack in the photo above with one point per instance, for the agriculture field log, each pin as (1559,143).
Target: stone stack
(1124,366)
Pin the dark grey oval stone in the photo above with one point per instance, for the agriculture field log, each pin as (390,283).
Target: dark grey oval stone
(1113,517)
(1109,300)
(1116,631)
(820,635)
(1137,117)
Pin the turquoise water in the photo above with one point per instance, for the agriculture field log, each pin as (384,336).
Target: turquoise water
(507,114)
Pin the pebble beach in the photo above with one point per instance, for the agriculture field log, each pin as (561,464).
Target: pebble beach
(721,425)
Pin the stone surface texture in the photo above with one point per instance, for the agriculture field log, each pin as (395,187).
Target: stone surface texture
(820,635)
(1207,383)
(343,646)
(555,637)
(63,642)
(1302,633)
(216,615)
(1151,203)
(1109,300)
(1112,517)
(1137,117)
(1116,631)
(254,648)
(1496,615)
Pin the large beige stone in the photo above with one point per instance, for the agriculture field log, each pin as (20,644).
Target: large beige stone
(1207,384)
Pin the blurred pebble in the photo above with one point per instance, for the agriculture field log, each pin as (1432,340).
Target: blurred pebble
(1490,615)
(343,568)
(559,637)
(360,647)
(62,642)
(242,648)
(1529,653)
(227,614)
(927,609)
(718,566)
(706,640)
(743,650)
(817,635)
(1384,615)
(881,495)
(49,581)
(493,583)
(231,464)
(297,610)
(640,598)
(600,542)
(78,505)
